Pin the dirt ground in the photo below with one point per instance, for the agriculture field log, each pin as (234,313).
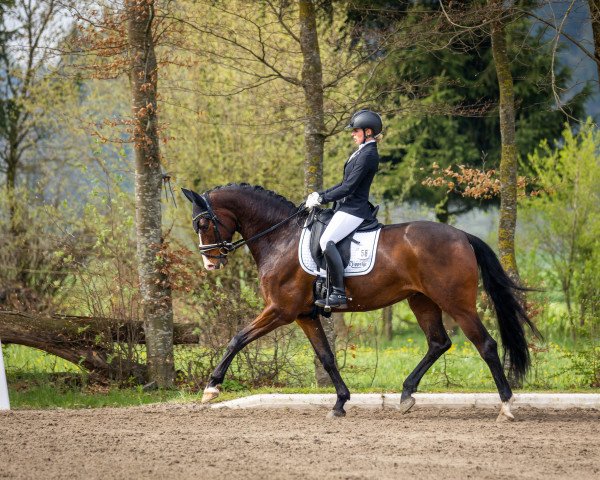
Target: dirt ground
(189,441)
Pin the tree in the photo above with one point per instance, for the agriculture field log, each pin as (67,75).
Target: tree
(508,159)
(312,84)
(265,43)
(107,43)
(453,96)
(563,217)
(556,17)
(594,6)
(94,343)
(154,284)
(22,86)
(314,131)
(38,144)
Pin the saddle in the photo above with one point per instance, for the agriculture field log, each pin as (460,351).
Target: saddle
(317,223)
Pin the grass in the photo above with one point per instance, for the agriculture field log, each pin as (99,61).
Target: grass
(40,380)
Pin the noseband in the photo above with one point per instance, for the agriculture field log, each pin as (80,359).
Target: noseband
(224,246)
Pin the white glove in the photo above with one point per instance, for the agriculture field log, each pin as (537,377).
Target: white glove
(312,200)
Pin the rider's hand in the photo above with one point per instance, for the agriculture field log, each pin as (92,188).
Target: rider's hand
(312,200)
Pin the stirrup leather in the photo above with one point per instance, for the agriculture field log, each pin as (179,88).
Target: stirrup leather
(320,288)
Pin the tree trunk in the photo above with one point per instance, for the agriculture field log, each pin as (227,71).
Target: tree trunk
(387,312)
(508,161)
(314,129)
(386,317)
(312,83)
(594,6)
(17,232)
(86,341)
(154,284)
(12,164)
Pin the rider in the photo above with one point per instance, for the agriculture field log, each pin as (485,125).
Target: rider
(351,197)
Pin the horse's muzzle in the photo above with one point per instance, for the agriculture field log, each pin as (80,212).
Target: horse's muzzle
(218,265)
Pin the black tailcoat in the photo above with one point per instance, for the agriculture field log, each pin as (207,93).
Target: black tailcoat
(352,194)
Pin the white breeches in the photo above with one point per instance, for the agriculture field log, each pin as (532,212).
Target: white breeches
(340,226)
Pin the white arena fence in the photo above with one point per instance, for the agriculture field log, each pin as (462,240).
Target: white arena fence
(4,403)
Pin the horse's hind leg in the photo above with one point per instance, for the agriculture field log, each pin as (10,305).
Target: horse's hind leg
(429,316)
(471,324)
(316,335)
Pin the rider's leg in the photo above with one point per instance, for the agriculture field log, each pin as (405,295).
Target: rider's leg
(337,296)
(341,225)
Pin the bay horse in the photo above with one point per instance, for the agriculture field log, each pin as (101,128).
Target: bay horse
(432,265)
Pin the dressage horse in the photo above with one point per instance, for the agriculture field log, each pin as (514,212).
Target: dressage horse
(432,265)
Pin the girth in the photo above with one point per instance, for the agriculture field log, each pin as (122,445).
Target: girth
(317,223)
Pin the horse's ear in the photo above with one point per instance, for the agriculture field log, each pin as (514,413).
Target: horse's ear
(191,196)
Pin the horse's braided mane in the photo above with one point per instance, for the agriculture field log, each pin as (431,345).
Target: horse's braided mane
(255,188)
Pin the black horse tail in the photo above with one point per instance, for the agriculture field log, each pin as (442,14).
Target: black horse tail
(509,311)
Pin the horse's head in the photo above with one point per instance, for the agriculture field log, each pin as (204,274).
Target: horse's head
(215,227)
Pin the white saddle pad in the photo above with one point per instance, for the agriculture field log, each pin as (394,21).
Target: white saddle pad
(362,254)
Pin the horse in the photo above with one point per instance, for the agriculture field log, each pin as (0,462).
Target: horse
(432,265)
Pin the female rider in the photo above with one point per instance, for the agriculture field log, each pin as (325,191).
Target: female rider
(352,200)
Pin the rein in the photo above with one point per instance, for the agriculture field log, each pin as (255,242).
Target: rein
(226,247)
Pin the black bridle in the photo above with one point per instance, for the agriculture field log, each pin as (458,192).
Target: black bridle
(225,247)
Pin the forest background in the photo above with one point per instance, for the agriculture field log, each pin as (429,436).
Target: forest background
(231,99)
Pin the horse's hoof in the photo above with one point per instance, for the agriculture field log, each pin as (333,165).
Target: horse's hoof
(210,393)
(332,414)
(502,418)
(406,404)
(505,414)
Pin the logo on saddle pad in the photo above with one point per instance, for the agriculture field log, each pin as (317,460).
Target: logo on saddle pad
(358,251)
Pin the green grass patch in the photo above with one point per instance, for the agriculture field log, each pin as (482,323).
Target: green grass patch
(49,396)
(39,380)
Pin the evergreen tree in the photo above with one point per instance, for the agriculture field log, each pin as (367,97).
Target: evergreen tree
(443,95)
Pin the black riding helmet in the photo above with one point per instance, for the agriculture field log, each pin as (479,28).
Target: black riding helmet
(366,119)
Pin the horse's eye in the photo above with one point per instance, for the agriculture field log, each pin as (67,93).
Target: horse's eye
(203,224)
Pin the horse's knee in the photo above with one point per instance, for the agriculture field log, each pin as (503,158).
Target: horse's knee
(440,348)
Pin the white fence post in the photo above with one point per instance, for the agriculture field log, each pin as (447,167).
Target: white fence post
(4,403)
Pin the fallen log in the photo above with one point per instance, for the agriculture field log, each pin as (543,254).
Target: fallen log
(90,342)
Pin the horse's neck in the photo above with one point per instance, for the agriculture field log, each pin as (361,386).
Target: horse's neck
(252,221)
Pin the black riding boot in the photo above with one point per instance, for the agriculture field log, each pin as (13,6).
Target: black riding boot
(335,268)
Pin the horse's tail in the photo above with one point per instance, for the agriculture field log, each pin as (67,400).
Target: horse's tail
(509,311)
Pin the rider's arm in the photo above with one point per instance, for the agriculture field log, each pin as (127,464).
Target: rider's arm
(360,168)
(331,188)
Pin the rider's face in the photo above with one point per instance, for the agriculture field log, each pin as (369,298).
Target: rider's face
(358,135)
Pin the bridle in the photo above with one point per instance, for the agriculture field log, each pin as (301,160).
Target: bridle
(222,245)
(225,247)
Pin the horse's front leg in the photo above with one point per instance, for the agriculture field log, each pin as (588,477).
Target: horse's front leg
(316,335)
(269,319)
